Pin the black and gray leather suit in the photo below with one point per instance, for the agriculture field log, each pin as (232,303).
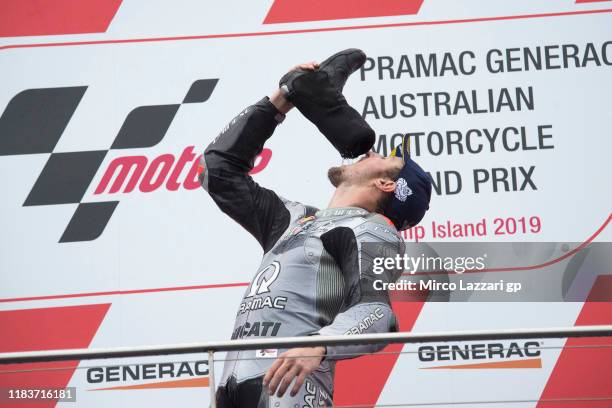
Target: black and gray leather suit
(316,273)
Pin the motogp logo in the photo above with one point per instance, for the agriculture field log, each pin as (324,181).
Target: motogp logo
(33,123)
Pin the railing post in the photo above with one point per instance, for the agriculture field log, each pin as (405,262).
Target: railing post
(211,379)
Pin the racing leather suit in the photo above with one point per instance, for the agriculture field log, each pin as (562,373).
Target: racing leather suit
(316,276)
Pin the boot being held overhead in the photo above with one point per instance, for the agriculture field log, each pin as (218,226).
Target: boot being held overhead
(318,96)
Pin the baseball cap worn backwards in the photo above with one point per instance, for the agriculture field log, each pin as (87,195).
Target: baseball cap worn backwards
(410,200)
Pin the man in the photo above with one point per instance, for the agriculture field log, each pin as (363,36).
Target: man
(316,274)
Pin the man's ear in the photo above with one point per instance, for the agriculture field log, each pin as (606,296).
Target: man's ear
(385,185)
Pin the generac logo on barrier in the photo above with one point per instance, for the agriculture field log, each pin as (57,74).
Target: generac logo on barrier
(155,375)
(481,355)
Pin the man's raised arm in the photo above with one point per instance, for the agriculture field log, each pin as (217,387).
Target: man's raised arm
(227,162)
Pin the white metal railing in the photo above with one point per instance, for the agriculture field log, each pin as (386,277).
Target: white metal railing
(303,341)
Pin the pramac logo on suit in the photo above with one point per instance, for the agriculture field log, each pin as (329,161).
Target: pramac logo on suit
(261,285)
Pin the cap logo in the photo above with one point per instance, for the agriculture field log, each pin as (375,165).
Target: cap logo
(402,191)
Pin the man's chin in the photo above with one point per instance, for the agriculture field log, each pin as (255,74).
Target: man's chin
(335,175)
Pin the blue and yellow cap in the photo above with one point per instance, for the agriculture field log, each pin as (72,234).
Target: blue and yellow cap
(410,200)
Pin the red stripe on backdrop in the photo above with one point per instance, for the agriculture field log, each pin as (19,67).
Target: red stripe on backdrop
(584,372)
(46,329)
(127,292)
(310,30)
(361,381)
(52,17)
(292,11)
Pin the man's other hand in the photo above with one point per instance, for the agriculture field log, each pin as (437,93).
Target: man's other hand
(306,66)
(296,363)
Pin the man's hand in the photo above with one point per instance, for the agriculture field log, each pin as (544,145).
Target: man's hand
(306,66)
(277,98)
(297,362)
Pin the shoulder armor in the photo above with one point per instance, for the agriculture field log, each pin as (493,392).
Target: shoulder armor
(297,210)
(371,227)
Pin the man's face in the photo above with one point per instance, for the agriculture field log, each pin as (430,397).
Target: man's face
(367,169)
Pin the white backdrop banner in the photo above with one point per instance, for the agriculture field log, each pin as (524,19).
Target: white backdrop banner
(108,239)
